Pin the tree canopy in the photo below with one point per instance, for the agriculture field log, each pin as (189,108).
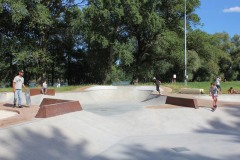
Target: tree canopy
(101,41)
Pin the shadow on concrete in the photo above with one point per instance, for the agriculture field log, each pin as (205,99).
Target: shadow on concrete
(138,152)
(30,145)
(11,105)
(219,125)
(8,105)
(151,97)
(57,146)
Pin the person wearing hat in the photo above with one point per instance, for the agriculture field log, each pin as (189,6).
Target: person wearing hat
(18,83)
(157,83)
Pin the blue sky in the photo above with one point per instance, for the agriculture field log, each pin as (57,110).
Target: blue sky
(220,16)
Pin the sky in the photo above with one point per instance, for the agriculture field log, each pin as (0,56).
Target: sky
(220,16)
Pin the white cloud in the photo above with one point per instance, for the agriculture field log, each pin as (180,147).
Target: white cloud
(233,9)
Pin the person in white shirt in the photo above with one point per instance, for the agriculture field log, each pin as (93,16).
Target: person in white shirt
(44,87)
(218,80)
(58,83)
(18,83)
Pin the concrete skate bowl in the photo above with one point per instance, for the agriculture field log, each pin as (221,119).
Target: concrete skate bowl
(112,100)
(117,100)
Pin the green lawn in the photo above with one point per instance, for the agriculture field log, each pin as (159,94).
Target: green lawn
(61,89)
(203,85)
(175,86)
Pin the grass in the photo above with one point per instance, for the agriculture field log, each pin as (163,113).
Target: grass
(203,85)
(174,86)
(61,89)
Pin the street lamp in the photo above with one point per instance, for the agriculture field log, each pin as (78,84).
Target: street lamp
(185,44)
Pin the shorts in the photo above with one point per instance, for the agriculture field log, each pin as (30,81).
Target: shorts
(214,96)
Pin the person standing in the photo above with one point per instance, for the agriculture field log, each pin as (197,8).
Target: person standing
(18,83)
(157,83)
(44,87)
(58,83)
(218,80)
(213,91)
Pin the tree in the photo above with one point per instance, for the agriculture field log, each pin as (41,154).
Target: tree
(29,28)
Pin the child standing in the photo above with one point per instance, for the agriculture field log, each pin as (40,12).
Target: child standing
(213,91)
(44,87)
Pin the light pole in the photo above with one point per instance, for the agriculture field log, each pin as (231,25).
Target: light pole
(185,44)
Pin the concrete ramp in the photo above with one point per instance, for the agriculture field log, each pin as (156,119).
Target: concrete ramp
(103,95)
(181,101)
(54,107)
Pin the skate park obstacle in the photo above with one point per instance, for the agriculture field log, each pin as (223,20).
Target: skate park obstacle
(54,107)
(37,91)
(185,102)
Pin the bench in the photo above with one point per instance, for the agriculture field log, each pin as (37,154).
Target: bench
(37,91)
(185,102)
(54,107)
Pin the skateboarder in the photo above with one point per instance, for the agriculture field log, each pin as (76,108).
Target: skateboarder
(157,83)
(18,83)
(213,91)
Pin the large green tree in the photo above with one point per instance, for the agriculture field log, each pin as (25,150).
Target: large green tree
(110,25)
(100,41)
(29,30)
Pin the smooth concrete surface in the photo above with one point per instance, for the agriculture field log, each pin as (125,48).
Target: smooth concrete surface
(117,125)
(6,114)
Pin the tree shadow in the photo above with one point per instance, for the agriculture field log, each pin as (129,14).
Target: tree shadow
(57,146)
(35,146)
(219,125)
(138,152)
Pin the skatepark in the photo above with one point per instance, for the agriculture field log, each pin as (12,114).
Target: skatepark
(122,123)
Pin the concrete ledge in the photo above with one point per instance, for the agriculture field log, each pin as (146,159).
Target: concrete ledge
(179,101)
(191,91)
(37,91)
(54,107)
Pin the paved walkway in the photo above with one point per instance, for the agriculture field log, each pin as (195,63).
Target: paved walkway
(124,123)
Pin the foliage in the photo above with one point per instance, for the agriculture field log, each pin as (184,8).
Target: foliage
(99,41)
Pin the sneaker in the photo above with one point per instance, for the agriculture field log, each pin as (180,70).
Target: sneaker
(213,109)
(20,107)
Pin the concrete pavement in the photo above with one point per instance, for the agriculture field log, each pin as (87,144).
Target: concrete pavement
(117,124)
